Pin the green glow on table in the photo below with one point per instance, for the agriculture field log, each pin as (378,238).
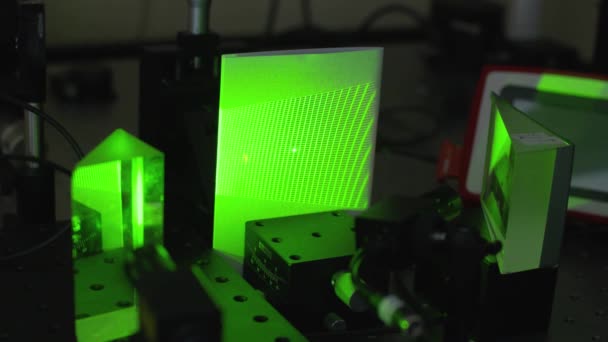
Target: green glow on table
(117,206)
(525,189)
(573,86)
(296,135)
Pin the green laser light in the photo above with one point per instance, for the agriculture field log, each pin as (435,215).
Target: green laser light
(296,135)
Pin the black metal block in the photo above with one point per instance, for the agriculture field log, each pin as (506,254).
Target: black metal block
(36,195)
(292,259)
(192,101)
(173,306)
(397,232)
(515,304)
(36,287)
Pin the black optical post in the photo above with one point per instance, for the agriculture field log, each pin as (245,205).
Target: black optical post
(36,183)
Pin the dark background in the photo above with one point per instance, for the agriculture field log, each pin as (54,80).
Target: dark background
(427,88)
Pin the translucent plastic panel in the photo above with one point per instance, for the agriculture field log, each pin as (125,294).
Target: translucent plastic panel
(296,135)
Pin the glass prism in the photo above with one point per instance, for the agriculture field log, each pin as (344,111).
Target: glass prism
(117,206)
(525,189)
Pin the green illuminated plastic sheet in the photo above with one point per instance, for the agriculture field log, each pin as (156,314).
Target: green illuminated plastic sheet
(525,189)
(117,206)
(296,135)
(573,86)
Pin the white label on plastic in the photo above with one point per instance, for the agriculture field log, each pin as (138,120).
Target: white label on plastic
(539,138)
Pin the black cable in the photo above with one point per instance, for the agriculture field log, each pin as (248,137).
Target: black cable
(378,14)
(66,228)
(37,160)
(354,267)
(401,146)
(49,119)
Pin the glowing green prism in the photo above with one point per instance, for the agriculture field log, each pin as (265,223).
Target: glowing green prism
(117,206)
(525,190)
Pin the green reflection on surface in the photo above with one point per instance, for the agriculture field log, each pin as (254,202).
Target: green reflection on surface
(498,179)
(572,86)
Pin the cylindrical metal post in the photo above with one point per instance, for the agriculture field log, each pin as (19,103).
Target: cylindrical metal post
(199,16)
